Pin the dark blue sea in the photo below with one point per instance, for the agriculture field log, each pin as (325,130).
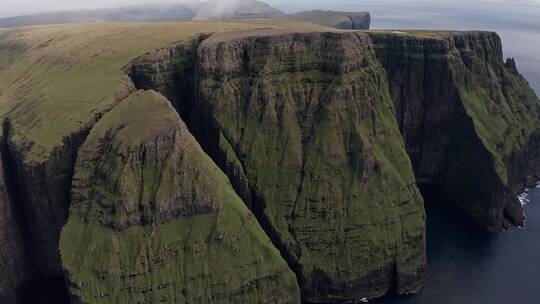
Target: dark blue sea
(469,266)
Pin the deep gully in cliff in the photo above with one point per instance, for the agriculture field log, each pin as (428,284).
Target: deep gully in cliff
(36,285)
(39,284)
(172,71)
(180,88)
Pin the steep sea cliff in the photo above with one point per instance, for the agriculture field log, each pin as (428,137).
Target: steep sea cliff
(269,165)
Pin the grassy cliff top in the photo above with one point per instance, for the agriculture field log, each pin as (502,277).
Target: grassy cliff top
(141,117)
(260,32)
(275,31)
(57,80)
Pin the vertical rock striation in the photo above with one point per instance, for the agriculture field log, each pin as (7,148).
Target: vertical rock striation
(469,120)
(14,265)
(322,135)
(153,219)
(308,119)
(44,189)
(304,126)
(291,118)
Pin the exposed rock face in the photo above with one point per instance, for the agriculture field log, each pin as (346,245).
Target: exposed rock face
(14,267)
(48,106)
(467,119)
(308,118)
(44,189)
(170,71)
(304,125)
(340,20)
(153,219)
(259,111)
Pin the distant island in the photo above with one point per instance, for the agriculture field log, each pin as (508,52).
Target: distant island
(195,11)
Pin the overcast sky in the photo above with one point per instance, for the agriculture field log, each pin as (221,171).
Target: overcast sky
(20,7)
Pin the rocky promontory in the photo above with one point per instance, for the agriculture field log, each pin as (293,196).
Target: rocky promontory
(469,119)
(153,219)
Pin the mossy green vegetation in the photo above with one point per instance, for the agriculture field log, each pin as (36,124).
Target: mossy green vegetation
(153,219)
(55,84)
(301,118)
(72,73)
(341,20)
(310,120)
(468,117)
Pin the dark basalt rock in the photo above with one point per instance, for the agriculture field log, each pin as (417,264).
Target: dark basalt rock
(303,126)
(14,264)
(153,219)
(322,135)
(469,119)
(444,86)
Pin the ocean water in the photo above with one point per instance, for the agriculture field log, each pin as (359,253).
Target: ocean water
(467,265)
(516,21)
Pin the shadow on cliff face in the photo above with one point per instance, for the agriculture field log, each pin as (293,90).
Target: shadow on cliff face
(43,290)
(36,287)
(440,136)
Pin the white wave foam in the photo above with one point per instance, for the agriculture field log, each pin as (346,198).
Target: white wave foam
(524,197)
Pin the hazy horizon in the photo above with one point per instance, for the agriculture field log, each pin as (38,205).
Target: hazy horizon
(516,21)
(12,8)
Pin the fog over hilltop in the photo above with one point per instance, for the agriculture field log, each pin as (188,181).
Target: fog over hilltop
(193,10)
(24,7)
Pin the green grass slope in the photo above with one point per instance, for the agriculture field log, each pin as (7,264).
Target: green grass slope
(336,19)
(154,220)
(55,84)
(308,119)
(70,74)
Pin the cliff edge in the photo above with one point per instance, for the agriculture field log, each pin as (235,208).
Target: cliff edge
(286,159)
(153,219)
(469,119)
